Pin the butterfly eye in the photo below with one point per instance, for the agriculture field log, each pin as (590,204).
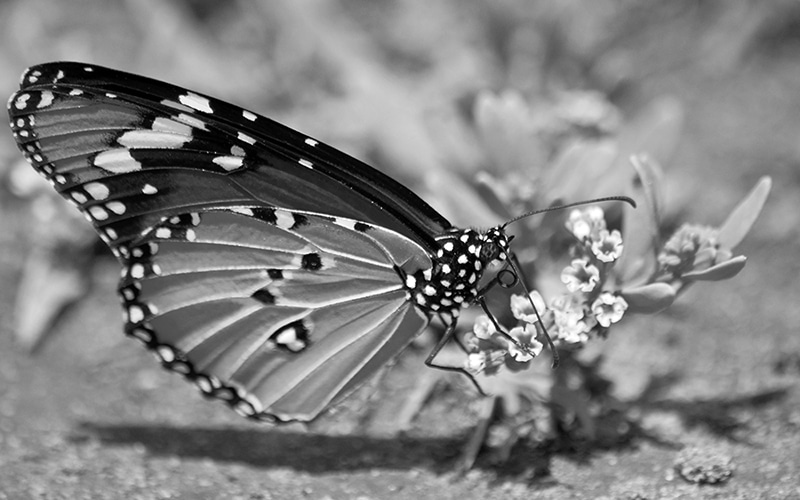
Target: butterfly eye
(489,251)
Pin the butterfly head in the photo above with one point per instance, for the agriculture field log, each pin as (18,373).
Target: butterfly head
(495,245)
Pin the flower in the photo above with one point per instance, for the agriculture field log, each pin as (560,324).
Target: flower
(608,246)
(522,310)
(609,308)
(587,222)
(580,275)
(483,327)
(527,339)
(691,246)
(571,324)
(476,362)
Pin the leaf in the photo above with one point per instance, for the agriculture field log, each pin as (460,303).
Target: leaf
(721,271)
(650,176)
(640,227)
(649,298)
(741,219)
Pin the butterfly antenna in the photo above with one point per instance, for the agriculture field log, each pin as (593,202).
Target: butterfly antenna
(552,346)
(570,205)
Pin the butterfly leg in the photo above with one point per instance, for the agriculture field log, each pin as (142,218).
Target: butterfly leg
(502,330)
(450,334)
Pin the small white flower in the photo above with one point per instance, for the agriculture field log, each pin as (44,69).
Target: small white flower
(476,362)
(527,339)
(522,310)
(608,246)
(580,276)
(583,223)
(483,328)
(609,308)
(571,325)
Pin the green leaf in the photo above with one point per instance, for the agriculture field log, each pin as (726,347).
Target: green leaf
(721,271)
(649,298)
(741,219)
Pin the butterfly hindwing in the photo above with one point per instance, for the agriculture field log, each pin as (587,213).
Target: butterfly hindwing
(278,312)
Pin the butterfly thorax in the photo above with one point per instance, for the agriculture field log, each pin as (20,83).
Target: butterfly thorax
(459,264)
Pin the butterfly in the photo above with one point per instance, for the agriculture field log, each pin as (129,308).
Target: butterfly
(274,272)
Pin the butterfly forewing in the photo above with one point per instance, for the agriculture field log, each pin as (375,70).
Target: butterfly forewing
(93,122)
(265,266)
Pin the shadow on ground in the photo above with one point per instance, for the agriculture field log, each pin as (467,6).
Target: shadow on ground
(278,448)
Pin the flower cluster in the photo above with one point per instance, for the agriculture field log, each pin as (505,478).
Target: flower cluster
(692,247)
(588,307)
(490,349)
(585,310)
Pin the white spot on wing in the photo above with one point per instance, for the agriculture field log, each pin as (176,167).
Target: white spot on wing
(163,232)
(117,161)
(79,197)
(116,206)
(98,213)
(162,124)
(250,116)
(192,121)
(152,139)
(97,190)
(242,210)
(166,353)
(46,99)
(21,101)
(137,271)
(284,219)
(311,142)
(346,223)
(75,92)
(149,189)
(246,138)
(195,101)
(229,163)
(305,163)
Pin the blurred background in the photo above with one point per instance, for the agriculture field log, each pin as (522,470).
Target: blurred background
(480,107)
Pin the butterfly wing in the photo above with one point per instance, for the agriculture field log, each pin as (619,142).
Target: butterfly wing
(279,313)
(263,265)
(94,122)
